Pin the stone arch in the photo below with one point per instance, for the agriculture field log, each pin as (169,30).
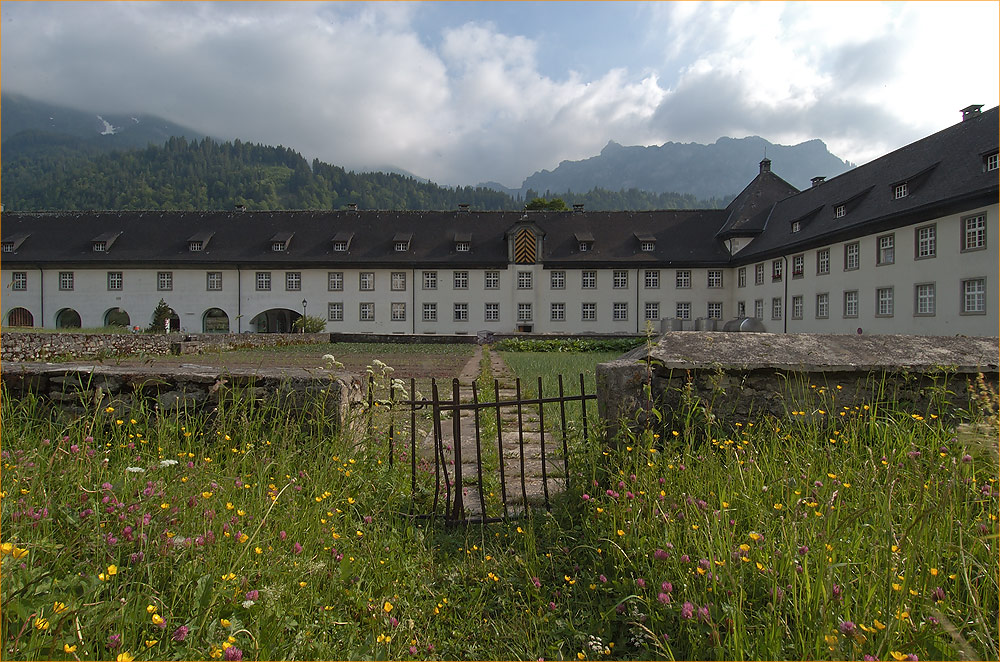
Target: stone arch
(20,317)
(215,320)
(67,318)
(274,320)
(117,317)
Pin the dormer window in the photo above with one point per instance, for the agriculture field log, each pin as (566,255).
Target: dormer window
(990,162)
(340,246)
(901,190)
(8,247)
(796,226)
(342,242)
(199,242)
(11,244)
(647,246)
(586,246)
(840,211)
(195,246)
(584,241)
(401,242)
(462,246)
(280,242)
(100,247)
(102,243)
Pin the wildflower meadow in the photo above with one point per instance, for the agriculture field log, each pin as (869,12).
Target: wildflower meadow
(861,532)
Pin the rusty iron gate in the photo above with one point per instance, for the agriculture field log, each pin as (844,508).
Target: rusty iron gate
(484,489)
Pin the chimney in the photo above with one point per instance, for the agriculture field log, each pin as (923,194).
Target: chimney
(463,207)
(971,111)
(765,165)
(352,206)
(816,181)
(578,208)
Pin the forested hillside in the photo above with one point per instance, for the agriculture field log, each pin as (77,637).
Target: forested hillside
(49,171)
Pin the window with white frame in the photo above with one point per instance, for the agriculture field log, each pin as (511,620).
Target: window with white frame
(683,279)
(278,246)
(851,303)
(8,246)
(652,311)
(619,280)
(397,281)
(974,296)
(524,312)
(758,274)
(366,281)
(430,313)
(715,310)
(619,312)
(798,266)
(462,246)
(340,246)
(741,277)
(651,279)
(165,281)
(293,281)
(776,308)
(741,308)
(335,311)
(402,246)
(397,311)
(797,307)
(683,310)
(19,281)
(901,191)
(115,280)
(557,280)
(430,280)
(776,269)
(840,211)
(990,162)
(823,305)
(335,281)
(715,277)
(647,246)
(823,261)
(460,280)
(213,281)
(100,246)
(491,313)
(588,312)
(366,312)
(926,242)
(852,256)
(796,226)
(588,280)
(886,249)
(524,280)
(196,246)
(262,281)
(758,308)
(491,280)
(883,302)
(461,312)
(557,312)
(585,246)
(926,299)
(974,232)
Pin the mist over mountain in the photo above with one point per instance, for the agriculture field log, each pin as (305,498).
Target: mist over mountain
(721,169)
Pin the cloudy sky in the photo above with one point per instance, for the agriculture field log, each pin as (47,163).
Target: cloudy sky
(469,92)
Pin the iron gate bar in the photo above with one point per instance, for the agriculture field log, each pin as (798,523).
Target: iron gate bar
(503,478)
(479,452)
(583,407)
(541,439)
(458,506)
(520,442)
(413,443)
(562,416)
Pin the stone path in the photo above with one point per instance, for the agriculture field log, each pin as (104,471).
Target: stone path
(534,487)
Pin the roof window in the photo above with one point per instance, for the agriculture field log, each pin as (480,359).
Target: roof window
(280,242)
(102,242)
(401,242)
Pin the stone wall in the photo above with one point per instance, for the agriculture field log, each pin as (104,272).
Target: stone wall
(745,376)
(17,346)
(77,389)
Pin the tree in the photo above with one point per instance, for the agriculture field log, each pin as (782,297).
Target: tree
(541,204)
(161,314)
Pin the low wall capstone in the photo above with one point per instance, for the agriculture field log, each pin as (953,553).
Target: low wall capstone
(743,376)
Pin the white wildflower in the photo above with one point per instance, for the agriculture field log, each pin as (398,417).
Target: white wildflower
(135,470)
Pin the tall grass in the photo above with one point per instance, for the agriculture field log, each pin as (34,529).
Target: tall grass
(254,533)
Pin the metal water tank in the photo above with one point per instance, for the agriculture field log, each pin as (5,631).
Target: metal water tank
(745,324)
(668,324)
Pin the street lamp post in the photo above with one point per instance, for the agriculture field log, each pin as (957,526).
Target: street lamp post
(304,304)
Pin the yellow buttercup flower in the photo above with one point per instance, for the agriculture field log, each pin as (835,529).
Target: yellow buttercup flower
(387,607)
(69,649)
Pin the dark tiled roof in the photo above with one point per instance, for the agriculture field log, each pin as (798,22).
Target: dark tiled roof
(944,171)
(748,211)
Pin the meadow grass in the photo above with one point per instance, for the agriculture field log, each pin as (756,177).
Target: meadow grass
(253,533)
